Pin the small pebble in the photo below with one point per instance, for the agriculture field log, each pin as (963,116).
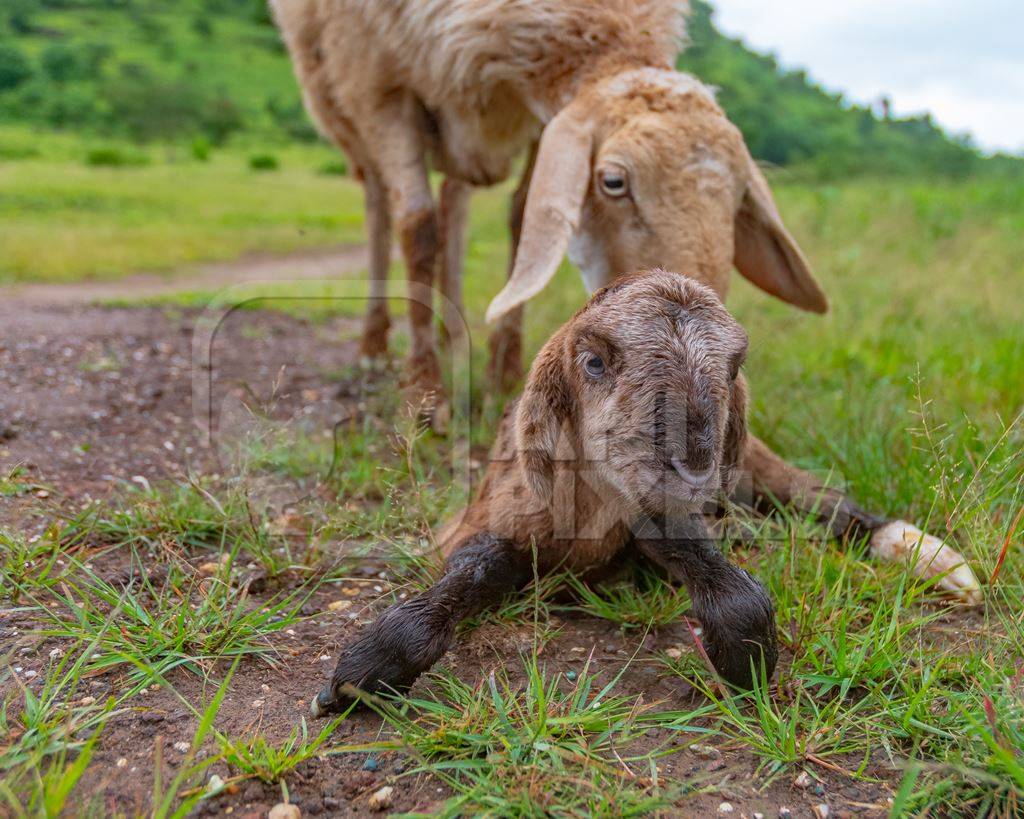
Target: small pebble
(371,764)
(570,675)
(284,810)
(182,747)
(705,751)
(819,789)
(785,813)
(821,811)
(339,605)
(30,674)
(257,703)
(381,800)
(803,781)
(757,815)
(87,701)
(122,763)
(726,807)
(214,784)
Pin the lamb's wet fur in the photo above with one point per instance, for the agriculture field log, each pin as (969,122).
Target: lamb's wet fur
(591,461)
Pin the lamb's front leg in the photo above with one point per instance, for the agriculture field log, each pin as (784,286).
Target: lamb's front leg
(410,637)
(734,609)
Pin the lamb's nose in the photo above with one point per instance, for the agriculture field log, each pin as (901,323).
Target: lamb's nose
(698,480)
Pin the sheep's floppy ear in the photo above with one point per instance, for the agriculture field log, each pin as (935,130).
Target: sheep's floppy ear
(558,187)
(542,412)
(766,254)
(735,435)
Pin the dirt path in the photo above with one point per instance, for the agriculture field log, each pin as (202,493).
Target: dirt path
(324,263)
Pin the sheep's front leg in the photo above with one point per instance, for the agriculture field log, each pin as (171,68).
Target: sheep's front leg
(410,637)
(454,208)
(734,609)
(399,157)
(373,348)
(775,481)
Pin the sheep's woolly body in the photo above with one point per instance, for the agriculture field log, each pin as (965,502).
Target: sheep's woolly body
(489,73)
(465,49)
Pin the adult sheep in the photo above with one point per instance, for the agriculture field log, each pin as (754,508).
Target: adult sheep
(637,167)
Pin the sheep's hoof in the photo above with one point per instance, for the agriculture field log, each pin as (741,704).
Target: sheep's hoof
(899,541)
(374,364)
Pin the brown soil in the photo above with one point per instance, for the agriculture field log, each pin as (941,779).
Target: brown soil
(91,398)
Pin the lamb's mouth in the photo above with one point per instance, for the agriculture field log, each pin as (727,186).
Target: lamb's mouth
(698,481)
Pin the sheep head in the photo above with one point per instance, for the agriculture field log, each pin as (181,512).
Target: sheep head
(642,390)
(643,169)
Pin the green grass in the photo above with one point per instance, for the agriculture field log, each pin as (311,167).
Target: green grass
(66,221)
(254,756)
(548,746)
(908,393)
(153,627)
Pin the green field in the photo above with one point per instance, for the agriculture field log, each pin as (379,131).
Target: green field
(909,391)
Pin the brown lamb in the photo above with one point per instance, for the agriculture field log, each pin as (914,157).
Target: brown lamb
(632,421)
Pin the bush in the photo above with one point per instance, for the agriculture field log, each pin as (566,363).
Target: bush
(69,107)
(263,162)
(14,67)
(291,118)
(20,13)
(201,149)
(336,167)
(202,26)
(149,107)
(60,63)
(220,117)
(110,157)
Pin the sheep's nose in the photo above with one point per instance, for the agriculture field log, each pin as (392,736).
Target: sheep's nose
(698,480)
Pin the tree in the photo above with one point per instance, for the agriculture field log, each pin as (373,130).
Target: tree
(14,67)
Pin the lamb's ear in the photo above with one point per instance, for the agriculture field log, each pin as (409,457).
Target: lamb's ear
(766,254)
(543,411)
(558,187)
(735,435)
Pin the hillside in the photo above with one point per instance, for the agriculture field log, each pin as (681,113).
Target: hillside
(215,70)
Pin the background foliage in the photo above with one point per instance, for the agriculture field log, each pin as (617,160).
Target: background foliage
(215,70)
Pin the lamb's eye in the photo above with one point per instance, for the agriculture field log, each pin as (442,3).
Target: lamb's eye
(612,180)
(594,365)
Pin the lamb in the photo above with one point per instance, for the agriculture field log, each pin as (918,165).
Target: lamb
(636,166)
(631,421)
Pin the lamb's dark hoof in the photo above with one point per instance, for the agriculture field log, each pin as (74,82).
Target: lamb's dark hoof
(326,703)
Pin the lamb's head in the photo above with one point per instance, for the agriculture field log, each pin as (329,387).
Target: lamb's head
(643,169)
(642,391)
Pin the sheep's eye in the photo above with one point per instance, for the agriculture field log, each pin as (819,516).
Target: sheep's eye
(613,181)
(594,365)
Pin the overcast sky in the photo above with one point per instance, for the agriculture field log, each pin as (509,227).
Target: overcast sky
(963,61)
